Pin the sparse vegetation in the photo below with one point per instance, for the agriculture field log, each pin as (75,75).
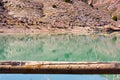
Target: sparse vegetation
(85,1)
(54,6)
(114,18)
(61,14)
(68,1)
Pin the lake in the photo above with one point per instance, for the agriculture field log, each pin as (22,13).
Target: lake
(60,47)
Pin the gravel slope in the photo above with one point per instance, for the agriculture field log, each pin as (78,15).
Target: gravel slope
(58,14)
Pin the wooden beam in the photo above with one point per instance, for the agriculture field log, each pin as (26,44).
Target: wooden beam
(60,67)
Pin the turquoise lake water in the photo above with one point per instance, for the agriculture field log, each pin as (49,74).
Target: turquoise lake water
(65,47)
(59,48)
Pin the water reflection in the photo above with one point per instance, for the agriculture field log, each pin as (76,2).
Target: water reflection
(59,48)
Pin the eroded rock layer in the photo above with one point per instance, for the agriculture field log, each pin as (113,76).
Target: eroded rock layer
(59,14)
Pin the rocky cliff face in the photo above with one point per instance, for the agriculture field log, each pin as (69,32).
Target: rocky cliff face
(24,8)
(58,13)
(112,6)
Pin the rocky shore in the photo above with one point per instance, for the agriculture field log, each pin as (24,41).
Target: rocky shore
(82,16)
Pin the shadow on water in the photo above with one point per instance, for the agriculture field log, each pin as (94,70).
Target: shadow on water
(59,48)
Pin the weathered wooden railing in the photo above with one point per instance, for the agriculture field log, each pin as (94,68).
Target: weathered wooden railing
(60,67)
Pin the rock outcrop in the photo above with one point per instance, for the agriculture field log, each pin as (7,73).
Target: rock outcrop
(112,6)
(58,14)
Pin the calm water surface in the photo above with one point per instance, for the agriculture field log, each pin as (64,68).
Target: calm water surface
(59,48)
(65,47)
